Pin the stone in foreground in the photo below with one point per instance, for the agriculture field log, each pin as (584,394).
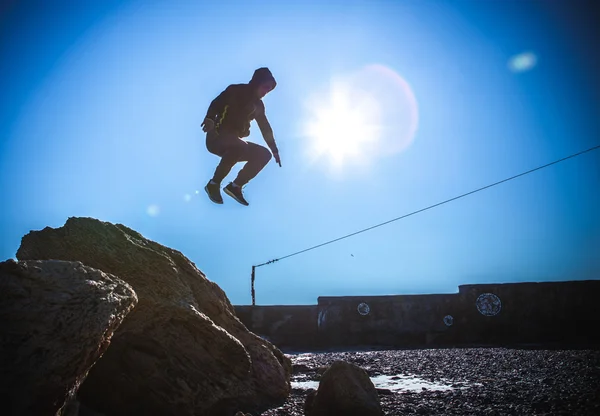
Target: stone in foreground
(344,389)
(182,350)
(57,318)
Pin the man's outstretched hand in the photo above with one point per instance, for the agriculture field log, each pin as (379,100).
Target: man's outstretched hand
(207,125)
(277,159)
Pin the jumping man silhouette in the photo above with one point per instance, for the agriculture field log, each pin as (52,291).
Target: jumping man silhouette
(227,121)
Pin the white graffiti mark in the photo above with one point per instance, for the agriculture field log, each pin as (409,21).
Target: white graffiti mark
(363,308)
(488,304)
(321,319)
(448,320)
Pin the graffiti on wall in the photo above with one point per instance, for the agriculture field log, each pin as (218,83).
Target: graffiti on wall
(363,309)
(331,313)
(488,304)
(321,318)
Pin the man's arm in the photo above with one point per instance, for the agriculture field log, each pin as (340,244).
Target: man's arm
(265,127)
(218,104)
(266,130)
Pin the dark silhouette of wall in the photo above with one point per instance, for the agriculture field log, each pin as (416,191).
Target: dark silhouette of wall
(549,314)
(561,313)
(285,326)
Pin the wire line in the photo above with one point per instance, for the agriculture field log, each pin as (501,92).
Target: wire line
(430,207)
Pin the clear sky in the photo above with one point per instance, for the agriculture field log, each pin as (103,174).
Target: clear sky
(381,108)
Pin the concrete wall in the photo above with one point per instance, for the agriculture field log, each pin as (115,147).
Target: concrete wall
(562,313)
(549,313)
(287,327)
(404,320)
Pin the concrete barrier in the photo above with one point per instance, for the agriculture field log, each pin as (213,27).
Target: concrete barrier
(557,314)
(548,313)
(288,327)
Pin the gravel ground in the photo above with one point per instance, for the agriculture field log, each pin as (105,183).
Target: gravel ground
(487,381)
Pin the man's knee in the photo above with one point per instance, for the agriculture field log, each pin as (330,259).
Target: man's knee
(268,155)
(263,154)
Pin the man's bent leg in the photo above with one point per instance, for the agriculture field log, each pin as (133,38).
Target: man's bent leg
(231,149)
(228,160)
(257,158)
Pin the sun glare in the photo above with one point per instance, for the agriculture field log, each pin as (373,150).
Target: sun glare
(359,116)
(343,125)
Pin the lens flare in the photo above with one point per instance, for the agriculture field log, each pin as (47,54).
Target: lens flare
(153,210)
(522,62)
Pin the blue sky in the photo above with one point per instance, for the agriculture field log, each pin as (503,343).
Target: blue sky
(102,102)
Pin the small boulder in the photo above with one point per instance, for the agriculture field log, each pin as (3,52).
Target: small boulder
(344,389)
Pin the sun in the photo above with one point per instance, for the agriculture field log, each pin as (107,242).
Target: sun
(358,117)
(343,124)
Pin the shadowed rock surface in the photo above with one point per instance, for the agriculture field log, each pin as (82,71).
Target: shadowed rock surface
(344,389)
(182,350)
(56,319)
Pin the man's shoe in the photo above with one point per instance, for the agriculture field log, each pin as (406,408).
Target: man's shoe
(214,192)
(236,193)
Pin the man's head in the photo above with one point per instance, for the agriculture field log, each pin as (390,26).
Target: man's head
(263,82)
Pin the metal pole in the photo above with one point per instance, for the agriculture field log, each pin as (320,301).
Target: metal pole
(253,275)
(253,294)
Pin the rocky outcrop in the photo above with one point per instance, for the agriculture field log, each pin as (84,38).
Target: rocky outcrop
(344,389)
(182,350)
(56,319)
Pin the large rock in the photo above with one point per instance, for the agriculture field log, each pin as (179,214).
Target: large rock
(344,389)
(56,319)
(182,350)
